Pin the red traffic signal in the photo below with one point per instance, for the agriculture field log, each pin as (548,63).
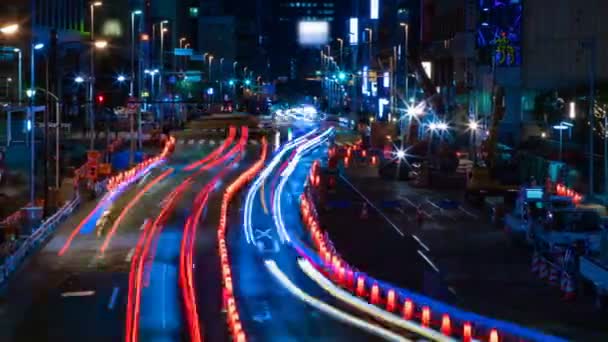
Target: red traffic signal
(100,99)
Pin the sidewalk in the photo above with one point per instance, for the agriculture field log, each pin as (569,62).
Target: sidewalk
(479,270)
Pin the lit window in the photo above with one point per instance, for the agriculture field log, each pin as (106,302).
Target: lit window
(193,11)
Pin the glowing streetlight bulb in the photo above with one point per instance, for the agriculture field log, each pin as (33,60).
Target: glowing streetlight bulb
(79,79)
(473,125)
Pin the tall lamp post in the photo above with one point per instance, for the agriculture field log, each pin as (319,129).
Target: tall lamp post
(131,86)
(221,76)
(20,76)
(92,6)
(162,52)
(405,52)
(31,121)
(369,42)
(341,41)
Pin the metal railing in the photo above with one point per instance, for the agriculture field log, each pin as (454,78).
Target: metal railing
(36,239)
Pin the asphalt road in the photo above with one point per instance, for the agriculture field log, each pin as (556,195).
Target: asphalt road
(269,312)
(45,302)
(480,270)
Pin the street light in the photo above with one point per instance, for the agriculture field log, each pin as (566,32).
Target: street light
(473,126)
(572,113)
(131,84)
(92,73)
(341,41)
(100,44)
(79,79)
(405,51)
(371,37)
(181,40)
(9,29)
(162,32)
(121,78)
(561,127)
(210,61)
(20,67)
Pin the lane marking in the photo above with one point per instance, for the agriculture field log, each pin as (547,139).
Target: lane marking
(113,298)
(78,294)
(365,307)
(332,311)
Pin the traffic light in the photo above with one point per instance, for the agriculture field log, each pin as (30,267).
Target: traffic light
(100,99)
(341,76)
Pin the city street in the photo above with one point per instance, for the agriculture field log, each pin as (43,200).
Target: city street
(475,262)
(82,294)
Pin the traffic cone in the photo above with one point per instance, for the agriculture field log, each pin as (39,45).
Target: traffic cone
(408,309)
(446,327)
(375,294)
(535,263)
(390,300)
(569,292)
(364,213)
(360,286)
(553,275)
(426,316)
(563,281)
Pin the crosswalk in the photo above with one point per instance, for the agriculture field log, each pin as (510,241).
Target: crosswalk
(209,142)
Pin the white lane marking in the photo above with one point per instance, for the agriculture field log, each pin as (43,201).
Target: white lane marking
(415,237)
(332,311)
(428,260)
(78,294)
(113,298)
(365,307)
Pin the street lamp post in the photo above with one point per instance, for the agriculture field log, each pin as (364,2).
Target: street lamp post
(92,74)
(20,76)
(369,42)
(405,52)
(162,52)
(341,41)
(234,69)
(31,121)
(131,86)
(221,78)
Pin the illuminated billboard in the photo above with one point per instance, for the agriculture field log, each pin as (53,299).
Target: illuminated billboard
(353,28)
(313,32)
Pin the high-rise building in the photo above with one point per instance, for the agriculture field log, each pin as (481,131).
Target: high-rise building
(289,59)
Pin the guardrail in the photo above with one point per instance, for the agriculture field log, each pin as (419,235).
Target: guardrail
(402,303)
(35,240)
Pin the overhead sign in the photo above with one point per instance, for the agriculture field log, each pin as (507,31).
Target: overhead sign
(182,52)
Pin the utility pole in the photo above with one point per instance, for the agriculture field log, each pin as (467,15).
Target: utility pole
(591,45)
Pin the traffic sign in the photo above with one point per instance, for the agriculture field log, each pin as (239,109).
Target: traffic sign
(182,52)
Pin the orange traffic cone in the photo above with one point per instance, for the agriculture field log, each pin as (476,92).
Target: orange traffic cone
(569,290)
(364,213)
